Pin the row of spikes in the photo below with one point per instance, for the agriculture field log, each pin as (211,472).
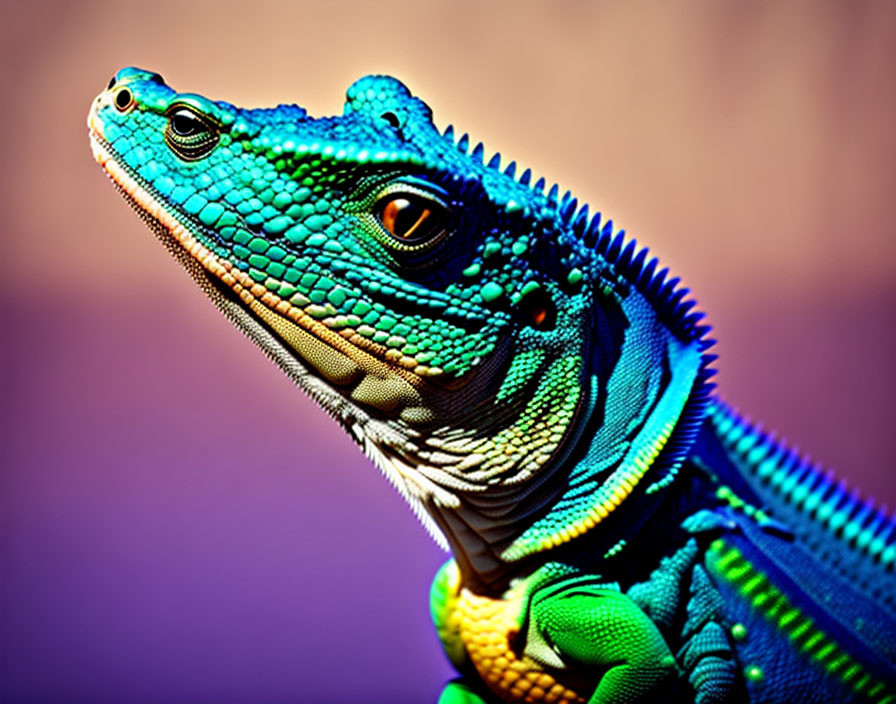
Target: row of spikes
(625,257)
(478,153)
(565,205)
(808,489)
(633,264)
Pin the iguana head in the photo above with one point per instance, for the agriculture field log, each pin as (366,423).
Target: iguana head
(462,324)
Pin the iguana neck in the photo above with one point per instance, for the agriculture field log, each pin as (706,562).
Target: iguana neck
(641,393)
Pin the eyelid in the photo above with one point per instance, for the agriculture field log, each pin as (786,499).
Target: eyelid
(202,107)
(410,187)
(209,122)
(426,188)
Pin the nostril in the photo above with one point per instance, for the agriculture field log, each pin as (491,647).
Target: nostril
(123,99)
(392,119)
(111,83)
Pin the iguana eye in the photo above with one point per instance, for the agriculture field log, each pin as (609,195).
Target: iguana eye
(189,134)
(185,124)
(410,218)
(123,99)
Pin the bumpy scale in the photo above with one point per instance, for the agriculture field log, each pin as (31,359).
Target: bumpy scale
(534,387)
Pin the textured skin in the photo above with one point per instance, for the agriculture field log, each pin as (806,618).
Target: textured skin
(535,388)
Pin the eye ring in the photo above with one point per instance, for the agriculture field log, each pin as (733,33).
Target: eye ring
(124,100)
(190,134)
(412,221)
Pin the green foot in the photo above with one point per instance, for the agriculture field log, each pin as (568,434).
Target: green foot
(461,691)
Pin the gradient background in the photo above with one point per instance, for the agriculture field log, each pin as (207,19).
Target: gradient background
(179,524)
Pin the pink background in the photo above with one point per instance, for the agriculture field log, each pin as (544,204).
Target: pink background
(179,524)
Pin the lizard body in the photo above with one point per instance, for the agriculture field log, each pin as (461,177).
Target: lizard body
(535,387)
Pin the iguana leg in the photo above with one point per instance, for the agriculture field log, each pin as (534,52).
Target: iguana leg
(588,627)
(708,656)
(555,636)
(704,650)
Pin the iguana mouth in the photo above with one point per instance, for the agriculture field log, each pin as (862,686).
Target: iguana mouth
(283,331)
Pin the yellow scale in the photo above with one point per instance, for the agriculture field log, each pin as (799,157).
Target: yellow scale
(484,631)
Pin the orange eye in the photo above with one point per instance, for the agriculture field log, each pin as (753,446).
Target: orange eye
(415,222)
(406,218)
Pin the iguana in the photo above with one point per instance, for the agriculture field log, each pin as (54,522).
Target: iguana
(537,389)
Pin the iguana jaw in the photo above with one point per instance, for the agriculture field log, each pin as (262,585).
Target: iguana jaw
(360,375)
(210,273)
(375,434)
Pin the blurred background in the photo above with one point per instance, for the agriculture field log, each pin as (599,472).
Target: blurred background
(179,524)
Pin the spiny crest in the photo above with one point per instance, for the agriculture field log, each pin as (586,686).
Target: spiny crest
(622,254)
(462,144)
(807,487)
(632,263)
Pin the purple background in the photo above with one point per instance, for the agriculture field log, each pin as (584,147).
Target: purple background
(179,524)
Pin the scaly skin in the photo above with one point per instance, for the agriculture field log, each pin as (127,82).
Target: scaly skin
(534,388)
